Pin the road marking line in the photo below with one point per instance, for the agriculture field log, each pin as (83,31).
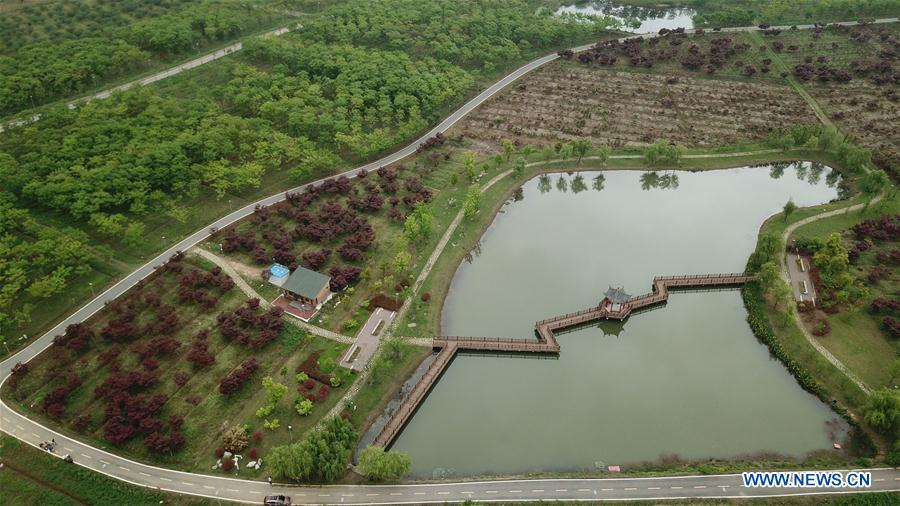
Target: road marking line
(584,490)
(371,495)
(164,479)
(33,434)
(143,473)
(125,469)
(443,493)
(606,489)
(418,493)
(879,479)
(20,427)
(396,493)
(104,462)
(515,491)
(652,488)
(490,491)
(324,495)
(86,456)
(700,486)
(68,449)
(346,495)
(630,488)
(188,484)
(467,493)
(562,490)
(538,490)
(232,490)
(676,488)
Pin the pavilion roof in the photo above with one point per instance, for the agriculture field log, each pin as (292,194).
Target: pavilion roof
(617,295)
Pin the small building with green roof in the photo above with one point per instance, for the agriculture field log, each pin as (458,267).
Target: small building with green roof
(307,286)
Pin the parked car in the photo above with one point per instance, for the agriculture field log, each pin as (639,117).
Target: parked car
(277,500)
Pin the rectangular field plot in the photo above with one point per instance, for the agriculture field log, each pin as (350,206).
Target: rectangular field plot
(563,101)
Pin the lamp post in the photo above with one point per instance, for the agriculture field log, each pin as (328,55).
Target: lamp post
(91,284)
(291,432)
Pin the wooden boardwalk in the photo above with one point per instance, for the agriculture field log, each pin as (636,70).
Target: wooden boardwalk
(546,338)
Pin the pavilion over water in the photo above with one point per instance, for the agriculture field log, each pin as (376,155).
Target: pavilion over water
(614,299)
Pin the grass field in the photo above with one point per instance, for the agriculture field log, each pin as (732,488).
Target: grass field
(31,476)
(856,336)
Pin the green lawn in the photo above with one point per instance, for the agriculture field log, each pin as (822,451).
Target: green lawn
(856,337)
(31,476)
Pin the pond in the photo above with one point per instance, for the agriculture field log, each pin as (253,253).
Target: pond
(642,19)
(687,379)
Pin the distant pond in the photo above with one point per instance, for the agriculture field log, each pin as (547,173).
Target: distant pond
(687,379)
(643,19)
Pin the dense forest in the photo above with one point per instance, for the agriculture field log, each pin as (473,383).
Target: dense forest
(752,12)
(59,48)
(305,103)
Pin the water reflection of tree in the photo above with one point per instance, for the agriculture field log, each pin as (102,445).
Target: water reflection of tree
(518,195)
(800,170)
(654,180)
(578,184)
(562,184)
(815,172)
(544,185)
(778,169)
(832,178)
(599,182)
(608,8)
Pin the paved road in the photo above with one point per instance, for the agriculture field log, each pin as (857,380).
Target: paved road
(799,276)
(243,490)
(221,487)
(366,340)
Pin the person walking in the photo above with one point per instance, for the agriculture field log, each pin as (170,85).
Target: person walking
(269,479)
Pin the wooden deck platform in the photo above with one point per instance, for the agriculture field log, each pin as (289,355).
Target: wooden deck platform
(546,338)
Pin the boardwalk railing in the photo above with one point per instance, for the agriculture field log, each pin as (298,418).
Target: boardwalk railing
(546,342)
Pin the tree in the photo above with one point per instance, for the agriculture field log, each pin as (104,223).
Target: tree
(469,161)
(883,411)
(379,465)
(290,461)
(401,261)
(874,182)
(472,202)
(767,250)
(789,208)
(663,153)
(565,151)
(581,147)
(419,223)
(519,166)
(602,154)
(507,148)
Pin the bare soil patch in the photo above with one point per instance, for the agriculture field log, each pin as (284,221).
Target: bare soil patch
(564,101)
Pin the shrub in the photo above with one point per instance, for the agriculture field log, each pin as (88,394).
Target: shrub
(253,454)
(304,406)
(271,425)
(227,465)
(220,452)
(257,436)
(383,301)
(235,439)
(238,377)
(426,297)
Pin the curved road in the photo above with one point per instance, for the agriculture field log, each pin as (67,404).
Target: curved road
(33,433)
